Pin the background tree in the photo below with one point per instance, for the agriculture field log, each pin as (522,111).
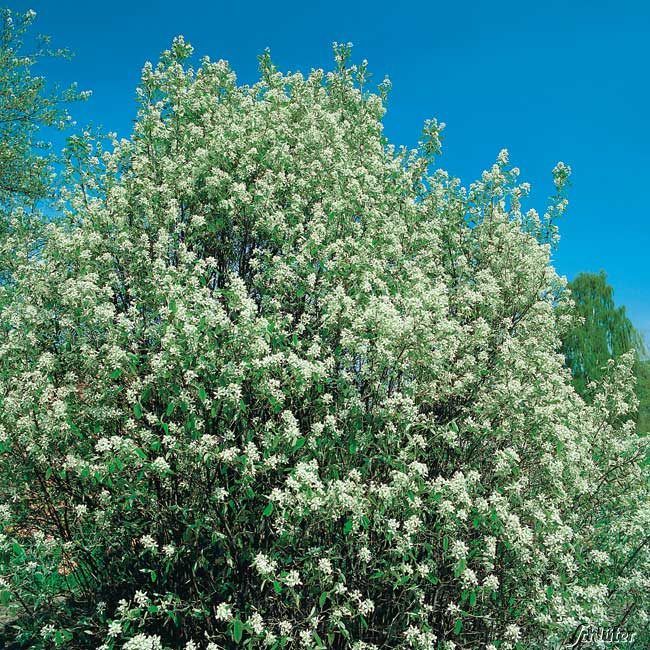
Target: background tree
(642,372)
(602,331)
(29,108)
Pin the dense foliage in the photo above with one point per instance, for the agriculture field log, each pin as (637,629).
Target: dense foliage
(28,106)
(643,394)
(270,382)
(603,331)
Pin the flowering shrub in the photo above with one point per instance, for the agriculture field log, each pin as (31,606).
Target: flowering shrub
(273,383)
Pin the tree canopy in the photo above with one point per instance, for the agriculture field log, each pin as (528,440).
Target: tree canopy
(29,107)
(603,331)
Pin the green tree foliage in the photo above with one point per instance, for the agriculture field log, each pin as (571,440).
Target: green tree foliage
(642,373)
(28,107)
(272,383)
(602,331)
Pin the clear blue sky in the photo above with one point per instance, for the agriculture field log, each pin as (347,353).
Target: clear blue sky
(548,80)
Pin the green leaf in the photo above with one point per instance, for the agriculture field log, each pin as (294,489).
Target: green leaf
(170,408)
(458,626)
(237,630)
(347,528)
(137,410)
(549,591)
(117,373)
(277,587)
(472,598)
(268,510)
(299,444)
(18,551)
(322,599)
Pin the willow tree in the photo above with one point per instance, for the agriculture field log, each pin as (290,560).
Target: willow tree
(272,383)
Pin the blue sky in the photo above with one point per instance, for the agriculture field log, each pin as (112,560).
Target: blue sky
(547,80)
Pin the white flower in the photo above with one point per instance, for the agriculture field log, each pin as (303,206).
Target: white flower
(305,638)
(264,565)
(143,642)
(366,607)
(103,445)
(114,629)
(160,465)
(257,623)
(325,566)
(459,549)
(512,632)
(141,598)
(468,578)
(224,612)
(453,609)
(149,543)
(292,579)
